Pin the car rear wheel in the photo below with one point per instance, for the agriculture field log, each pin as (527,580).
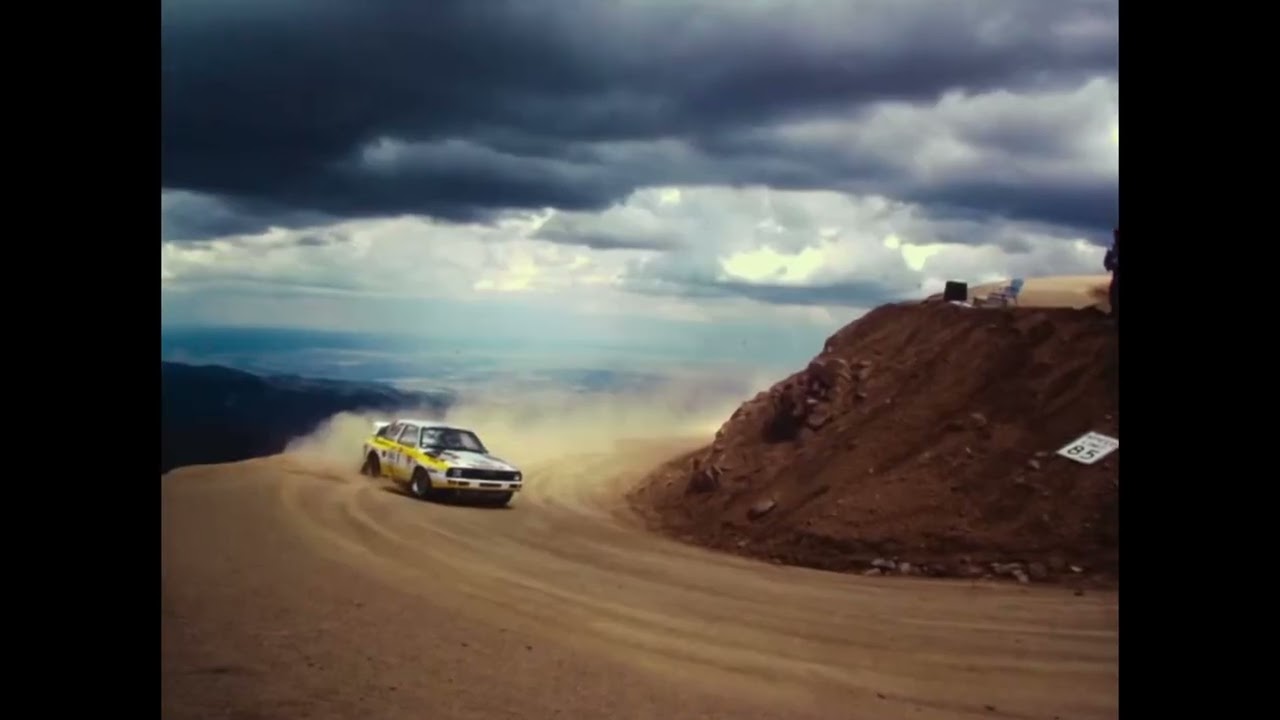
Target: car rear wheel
(420,484)
(371,466)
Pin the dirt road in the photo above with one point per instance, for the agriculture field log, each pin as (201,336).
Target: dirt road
(289,591)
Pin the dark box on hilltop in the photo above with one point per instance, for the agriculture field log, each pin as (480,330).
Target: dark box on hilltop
(956,292)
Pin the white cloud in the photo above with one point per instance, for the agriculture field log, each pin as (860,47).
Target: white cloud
(766,265)
(915,256)
(723,239)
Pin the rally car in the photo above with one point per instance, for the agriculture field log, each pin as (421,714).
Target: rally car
(430,459)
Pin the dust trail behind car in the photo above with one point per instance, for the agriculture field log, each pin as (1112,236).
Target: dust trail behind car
(537,428)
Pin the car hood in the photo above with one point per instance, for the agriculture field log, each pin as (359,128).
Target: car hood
(475,461)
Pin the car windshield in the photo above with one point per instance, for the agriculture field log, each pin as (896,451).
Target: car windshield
(450,439)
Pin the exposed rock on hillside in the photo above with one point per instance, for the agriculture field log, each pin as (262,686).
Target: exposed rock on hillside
(923,436)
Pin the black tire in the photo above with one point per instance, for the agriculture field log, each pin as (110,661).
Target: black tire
(371,466)
(420,485)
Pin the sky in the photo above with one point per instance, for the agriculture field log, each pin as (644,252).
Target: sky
(631,172)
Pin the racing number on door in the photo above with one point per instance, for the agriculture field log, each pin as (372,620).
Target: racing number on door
(388,457)
(391,459)
(398,462)
(403,461)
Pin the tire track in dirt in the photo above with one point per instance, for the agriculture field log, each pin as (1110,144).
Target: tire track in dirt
(568,566)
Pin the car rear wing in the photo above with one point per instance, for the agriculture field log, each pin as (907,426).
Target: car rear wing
(378,426)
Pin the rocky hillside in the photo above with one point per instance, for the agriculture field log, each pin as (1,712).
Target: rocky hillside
(921,440)
(212,414)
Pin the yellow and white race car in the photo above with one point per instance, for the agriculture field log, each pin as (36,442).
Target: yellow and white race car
(430,458)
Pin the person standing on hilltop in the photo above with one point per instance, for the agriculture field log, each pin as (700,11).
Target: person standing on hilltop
(1112,263)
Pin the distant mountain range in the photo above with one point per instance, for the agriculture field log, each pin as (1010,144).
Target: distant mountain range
(214,414)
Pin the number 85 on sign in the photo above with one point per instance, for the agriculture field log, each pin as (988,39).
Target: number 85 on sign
(1089,448)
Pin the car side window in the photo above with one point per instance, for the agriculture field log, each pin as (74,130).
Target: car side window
(409,436)
(391,431)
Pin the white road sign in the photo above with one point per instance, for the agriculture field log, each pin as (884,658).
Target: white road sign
(1089,448)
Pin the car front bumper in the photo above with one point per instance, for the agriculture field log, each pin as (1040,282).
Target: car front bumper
(449,483)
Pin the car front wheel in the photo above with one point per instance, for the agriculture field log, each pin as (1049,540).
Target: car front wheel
(420,484)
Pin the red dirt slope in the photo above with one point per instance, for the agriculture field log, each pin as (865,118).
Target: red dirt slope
(922,439)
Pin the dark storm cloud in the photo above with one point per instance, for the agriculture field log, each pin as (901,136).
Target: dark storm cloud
(522,104)
(702,277)
(189,216)
(842,294)
(598,233)
(184,216)
(1092,205)
(606,241)
(320,239)
(845,294)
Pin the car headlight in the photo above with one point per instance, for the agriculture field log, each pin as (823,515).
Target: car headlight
(519,477)
(453,472)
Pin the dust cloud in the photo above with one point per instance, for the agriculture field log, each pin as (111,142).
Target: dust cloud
(539,427)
